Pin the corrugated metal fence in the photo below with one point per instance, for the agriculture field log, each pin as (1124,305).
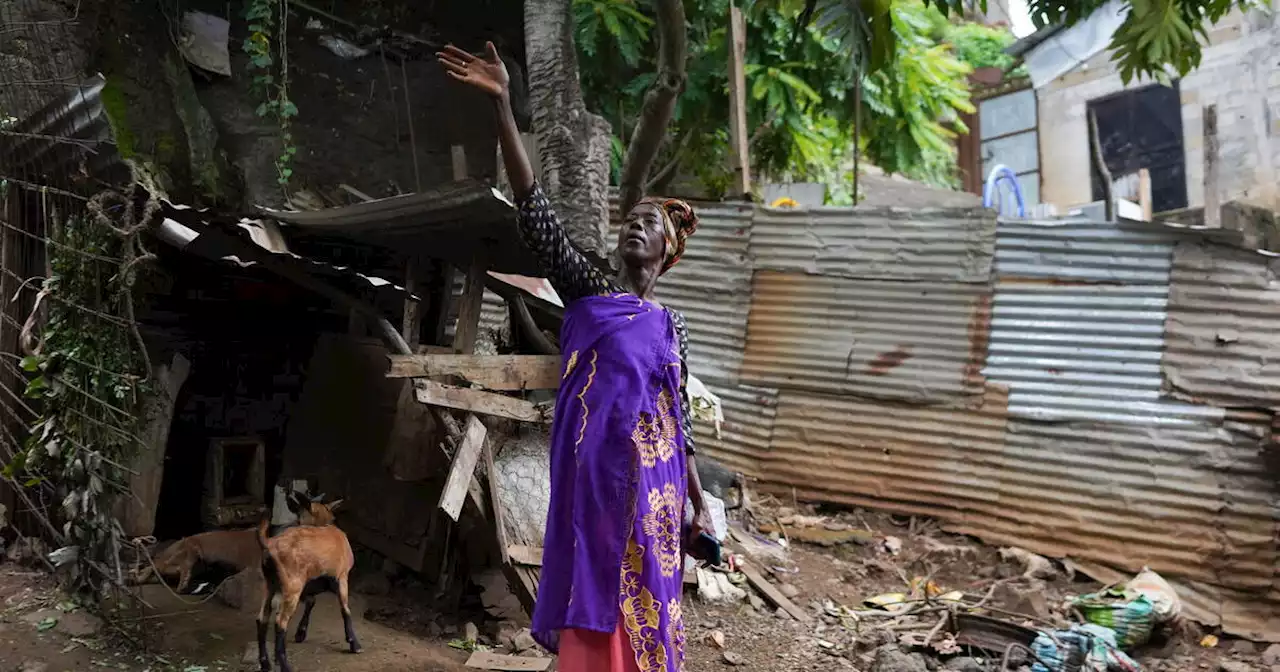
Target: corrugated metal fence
(1081,389)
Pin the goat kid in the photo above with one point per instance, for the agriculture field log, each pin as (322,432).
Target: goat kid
(298,564)
(237,549)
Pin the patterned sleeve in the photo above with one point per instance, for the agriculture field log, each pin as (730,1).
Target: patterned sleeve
(571,274)
(686,410)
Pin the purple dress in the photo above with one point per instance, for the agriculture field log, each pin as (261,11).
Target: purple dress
(618,445)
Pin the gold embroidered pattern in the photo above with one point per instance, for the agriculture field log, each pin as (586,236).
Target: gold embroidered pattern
(660,524)
(675,630)
(655,437)
(641,613)
(586,412)
(568,368)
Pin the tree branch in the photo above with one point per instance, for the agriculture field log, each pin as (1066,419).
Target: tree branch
(664,174)
(659,102)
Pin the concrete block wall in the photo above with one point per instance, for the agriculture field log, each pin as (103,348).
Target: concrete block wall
(1240,73)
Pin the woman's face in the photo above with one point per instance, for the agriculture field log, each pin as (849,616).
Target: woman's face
(641,241)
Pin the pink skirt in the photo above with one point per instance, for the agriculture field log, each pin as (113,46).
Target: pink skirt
(587,651)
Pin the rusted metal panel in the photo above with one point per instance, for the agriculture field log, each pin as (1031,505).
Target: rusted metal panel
(916,341)
(747,432)
(939,461)
(1223,328)
(933,243)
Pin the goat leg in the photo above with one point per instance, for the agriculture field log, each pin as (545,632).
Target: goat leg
(305,622)
(347,625)
(282,658)
(264,659)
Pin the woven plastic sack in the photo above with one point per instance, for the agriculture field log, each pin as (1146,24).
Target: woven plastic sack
(1165,605)
(1129,614)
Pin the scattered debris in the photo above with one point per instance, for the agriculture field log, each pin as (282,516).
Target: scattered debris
(716,638)
(204,42)
(1209,641)
(342,48)
(892,545)
(732,658)
(483,660)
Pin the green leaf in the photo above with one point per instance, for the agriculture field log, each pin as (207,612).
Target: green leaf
(30,363)
(47,624)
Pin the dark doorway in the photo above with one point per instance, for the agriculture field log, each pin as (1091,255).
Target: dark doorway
(1142,128)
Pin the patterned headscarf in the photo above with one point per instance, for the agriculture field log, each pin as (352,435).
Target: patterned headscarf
(678,223)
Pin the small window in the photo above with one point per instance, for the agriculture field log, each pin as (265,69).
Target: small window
(1142,128)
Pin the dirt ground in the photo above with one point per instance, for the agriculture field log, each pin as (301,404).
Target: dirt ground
(403,627)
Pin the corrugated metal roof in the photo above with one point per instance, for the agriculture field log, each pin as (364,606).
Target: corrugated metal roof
(747,432)
(451,222)
(921,341)
(65,143)
(1224,327)
(942,244)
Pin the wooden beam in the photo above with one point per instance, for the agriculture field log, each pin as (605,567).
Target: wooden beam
(411,327)
(772,594)
(464,337)
(1144,194)
(495,505)
(463,467)
(495,372)
(528,556)
(476,401)
(740,142)
(1212,196)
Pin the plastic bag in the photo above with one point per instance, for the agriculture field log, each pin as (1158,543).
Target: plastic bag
(1165,605)
(1088,647)
(1130,615)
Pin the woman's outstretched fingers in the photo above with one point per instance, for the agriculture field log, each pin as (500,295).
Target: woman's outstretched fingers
(459,54)
(492,51)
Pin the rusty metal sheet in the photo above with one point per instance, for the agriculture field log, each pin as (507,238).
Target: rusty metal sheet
(942,461)
(920,341)
(934,243)
(1223,328)
(747,432)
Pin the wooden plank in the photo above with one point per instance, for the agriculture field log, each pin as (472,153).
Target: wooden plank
(411,327)
(528,556)
(740,149)
(464,337)
(463,467)
(1212,196)
(483,660)
(495,372)
(1144,193)
(495,505)
(772,595)
(476,401)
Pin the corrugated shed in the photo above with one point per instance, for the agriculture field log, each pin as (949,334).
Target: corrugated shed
(747,431)
(711,286)
(919,341)
(929,460)
(934,243)
(65,142)
(1077,326)
(1224,327)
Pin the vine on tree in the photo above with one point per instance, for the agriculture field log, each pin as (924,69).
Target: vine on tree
(268,19)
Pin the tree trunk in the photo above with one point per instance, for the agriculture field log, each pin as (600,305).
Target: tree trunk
(659,101)
(573,143)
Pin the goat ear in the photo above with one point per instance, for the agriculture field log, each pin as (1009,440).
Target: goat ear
(293,501)
(332,506)
(318,498)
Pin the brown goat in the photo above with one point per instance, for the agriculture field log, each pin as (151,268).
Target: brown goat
(298,564)
(237,549)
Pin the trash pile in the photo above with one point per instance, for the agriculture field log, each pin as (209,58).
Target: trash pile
(929,626)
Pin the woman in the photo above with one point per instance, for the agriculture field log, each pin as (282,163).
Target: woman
(621,447)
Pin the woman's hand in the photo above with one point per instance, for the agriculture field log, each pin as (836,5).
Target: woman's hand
(488,74)
(701,523)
